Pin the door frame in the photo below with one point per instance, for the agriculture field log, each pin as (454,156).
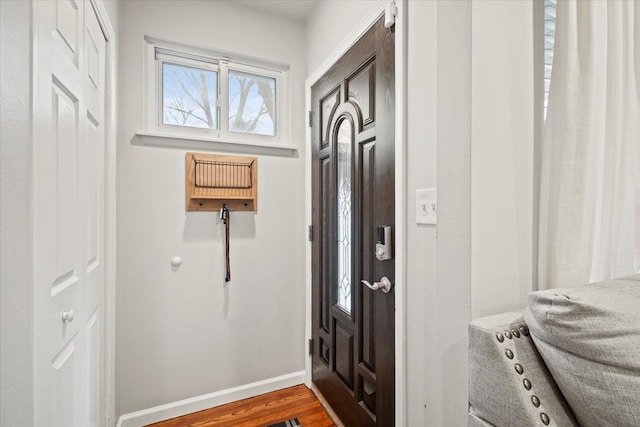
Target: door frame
(110,197)
(110,171)
(400,190)
(110,168)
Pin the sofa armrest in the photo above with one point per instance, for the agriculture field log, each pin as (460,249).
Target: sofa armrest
(509,384)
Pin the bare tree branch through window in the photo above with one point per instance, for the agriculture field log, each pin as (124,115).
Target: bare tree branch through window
(189,96)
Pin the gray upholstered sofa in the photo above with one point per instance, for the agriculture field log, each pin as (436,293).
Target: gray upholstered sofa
(572,358)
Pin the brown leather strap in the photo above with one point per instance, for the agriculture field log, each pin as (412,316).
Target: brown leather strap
(227,274)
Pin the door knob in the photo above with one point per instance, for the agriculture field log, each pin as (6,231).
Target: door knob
(68,315)
(384,284)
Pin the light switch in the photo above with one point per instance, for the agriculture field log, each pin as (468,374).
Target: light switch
(426,206)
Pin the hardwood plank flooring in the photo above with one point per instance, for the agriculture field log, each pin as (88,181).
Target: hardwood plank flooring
(293,402)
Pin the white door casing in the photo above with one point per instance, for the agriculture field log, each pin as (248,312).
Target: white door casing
(68,200)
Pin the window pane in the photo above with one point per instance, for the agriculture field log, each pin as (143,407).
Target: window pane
(252,103)
(344,216)
(189,96)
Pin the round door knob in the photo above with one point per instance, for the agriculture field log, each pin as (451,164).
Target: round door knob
(68,315)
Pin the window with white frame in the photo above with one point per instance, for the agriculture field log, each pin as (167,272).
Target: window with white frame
(204,95)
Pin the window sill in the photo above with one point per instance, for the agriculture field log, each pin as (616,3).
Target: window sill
(202,142)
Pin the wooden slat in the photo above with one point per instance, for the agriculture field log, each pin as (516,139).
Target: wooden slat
(293,402)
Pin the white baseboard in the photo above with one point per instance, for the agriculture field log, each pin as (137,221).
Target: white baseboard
(206,401)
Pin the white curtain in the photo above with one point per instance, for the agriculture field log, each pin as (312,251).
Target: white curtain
(590,176)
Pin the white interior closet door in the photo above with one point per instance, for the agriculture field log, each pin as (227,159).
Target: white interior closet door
(68,197)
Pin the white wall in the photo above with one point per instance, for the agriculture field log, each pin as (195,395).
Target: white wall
(328,24)
(485,183)
(447,379)
(502,155)
(422,99)
(181,333)
(16,305)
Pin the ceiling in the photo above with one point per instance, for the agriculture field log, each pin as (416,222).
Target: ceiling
(297,10)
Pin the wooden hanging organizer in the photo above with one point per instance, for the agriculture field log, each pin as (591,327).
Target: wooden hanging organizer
(213,180)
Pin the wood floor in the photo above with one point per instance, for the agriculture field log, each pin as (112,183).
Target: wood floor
(293,402)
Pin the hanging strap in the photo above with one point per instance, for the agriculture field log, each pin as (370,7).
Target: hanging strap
(224,214)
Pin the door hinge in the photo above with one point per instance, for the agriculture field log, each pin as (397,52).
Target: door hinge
(310,346)
(310,233)
(310,118)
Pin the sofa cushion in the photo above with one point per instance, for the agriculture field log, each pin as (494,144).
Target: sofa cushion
(589,338)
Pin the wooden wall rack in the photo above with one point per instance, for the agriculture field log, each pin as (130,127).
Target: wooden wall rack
(213,180)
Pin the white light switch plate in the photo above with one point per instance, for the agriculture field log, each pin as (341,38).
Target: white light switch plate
(426,206)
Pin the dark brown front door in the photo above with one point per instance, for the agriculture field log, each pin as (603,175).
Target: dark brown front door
(353,195)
